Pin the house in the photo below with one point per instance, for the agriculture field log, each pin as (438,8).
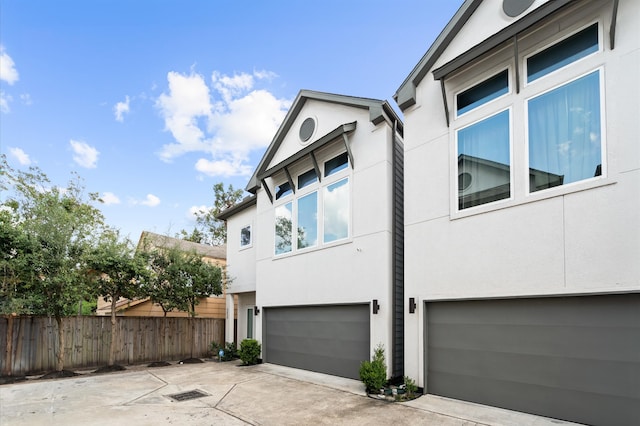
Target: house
(315,253)
(210,307)
(522,209)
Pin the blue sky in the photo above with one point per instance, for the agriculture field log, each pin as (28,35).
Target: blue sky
(153,102)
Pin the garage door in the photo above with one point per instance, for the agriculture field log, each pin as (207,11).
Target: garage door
(327,339)
(575,358)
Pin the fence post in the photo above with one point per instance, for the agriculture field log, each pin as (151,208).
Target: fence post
(8,368)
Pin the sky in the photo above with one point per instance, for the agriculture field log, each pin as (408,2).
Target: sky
(154,102)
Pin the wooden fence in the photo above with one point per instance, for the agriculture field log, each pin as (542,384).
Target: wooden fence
(28,343)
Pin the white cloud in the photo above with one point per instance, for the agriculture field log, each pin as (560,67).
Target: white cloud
(193,212)
(228,125)
(85,155)
(8,71)
(20,155)
(150,201)
(109,198)
(26,99)
(4,102)
(121,108)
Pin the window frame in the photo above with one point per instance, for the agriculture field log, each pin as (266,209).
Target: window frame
(530,44)
(323,156)
(250,243)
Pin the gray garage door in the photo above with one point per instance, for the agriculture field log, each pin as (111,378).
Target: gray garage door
(326,339)
(574,358)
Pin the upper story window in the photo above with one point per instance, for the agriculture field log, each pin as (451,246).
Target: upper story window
(509,144)
(336,164)
(307,178)
(245,236)
(481,93)
(319,213)
(569,50)
(283,190)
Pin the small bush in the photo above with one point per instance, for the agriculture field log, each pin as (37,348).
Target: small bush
(249,351)
(229,351)
(410,386)
(374,373)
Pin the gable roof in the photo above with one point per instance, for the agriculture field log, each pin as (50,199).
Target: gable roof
(205,250)
(405,96)
(378,111)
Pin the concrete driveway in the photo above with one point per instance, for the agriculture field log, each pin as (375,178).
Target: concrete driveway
(234,395)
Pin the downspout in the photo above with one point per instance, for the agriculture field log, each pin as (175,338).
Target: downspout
(397,322)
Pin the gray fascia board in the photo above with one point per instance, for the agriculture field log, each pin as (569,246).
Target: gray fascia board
(247,202)
(405,96)
(500,37)
(329,137)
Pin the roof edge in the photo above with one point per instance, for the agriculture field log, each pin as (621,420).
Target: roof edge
(405,96)
(237,208)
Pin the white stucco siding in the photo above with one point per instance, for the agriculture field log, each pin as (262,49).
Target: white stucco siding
(241,262)
(582,238)
(602,237)
(328,116)
(576,240)
(487,20)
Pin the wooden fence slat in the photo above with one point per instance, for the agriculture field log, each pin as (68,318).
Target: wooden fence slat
(87,339)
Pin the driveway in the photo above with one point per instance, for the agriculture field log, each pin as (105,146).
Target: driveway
(234,395)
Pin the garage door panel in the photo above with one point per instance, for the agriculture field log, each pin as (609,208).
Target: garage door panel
(539,355)
(327,339)
(566,341)
(568,373)
(583,407)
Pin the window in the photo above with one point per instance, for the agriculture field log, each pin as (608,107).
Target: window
(245,236)
(563,53)
(284,214)
(283,190)
(307,178)
(483,160)
(319,213)
(482,93)
(509,143)
(308,220)
(250,323)
(336,211)
(336,164)
(564,134)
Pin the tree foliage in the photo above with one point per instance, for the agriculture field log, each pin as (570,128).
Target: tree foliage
(47,231)
(181,279)
(116,271)
(210,229)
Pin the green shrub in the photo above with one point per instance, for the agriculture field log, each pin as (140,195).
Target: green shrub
(229,351)
(410,386)
(249,351)
(374,373)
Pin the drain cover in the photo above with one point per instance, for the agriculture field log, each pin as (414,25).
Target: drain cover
(186,396)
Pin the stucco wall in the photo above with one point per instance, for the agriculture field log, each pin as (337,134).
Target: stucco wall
(574,240)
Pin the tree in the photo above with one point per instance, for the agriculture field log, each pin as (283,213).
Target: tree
(55,227)
(181,280)
(210,229)
(117,270)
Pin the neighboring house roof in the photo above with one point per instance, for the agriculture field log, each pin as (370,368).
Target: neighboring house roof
(378,111)
(205,250)
(237,208)
(121,304)
(405,96)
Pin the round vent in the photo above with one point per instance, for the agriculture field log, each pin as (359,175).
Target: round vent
(464,181)
(514,8)
(307,128)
